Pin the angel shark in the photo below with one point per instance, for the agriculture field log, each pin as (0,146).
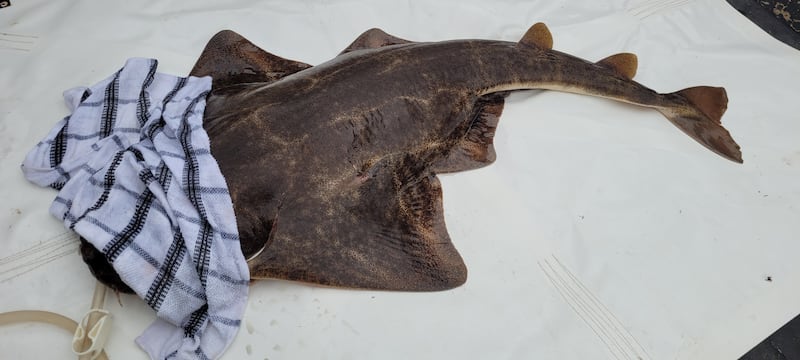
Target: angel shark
(332,168)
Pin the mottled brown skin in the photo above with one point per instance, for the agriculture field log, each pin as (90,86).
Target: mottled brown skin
(332,169)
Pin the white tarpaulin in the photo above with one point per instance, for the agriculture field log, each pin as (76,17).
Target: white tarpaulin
(601,231)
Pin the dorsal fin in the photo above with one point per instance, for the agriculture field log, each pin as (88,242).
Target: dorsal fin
(538,36)
(231,59)
(372,39)
(624,64)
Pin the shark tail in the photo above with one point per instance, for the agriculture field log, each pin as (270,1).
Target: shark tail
(697,111)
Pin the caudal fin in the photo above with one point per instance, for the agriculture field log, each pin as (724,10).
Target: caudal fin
(697,111)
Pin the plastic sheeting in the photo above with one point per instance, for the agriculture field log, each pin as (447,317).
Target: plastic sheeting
(600,232)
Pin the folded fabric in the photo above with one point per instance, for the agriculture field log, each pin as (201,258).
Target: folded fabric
(136,179)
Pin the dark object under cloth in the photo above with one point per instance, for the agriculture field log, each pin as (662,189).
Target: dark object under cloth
(779,18)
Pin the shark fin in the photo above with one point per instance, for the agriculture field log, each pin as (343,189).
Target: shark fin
(698,115)
(711,101)
(476,149)
(231,59)
(397,242)
(624,64)
(538,36)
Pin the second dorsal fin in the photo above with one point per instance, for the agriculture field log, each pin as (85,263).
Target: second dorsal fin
(538,36)
(231,59)
(624,64)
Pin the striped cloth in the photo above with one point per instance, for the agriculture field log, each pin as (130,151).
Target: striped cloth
(136,179)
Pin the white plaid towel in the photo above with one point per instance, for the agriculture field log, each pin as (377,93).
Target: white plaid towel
(137,180)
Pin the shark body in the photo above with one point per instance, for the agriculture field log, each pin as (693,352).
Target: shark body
(332,168)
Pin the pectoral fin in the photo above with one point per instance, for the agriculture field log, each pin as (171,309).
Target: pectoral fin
(231,59)
(387,234)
